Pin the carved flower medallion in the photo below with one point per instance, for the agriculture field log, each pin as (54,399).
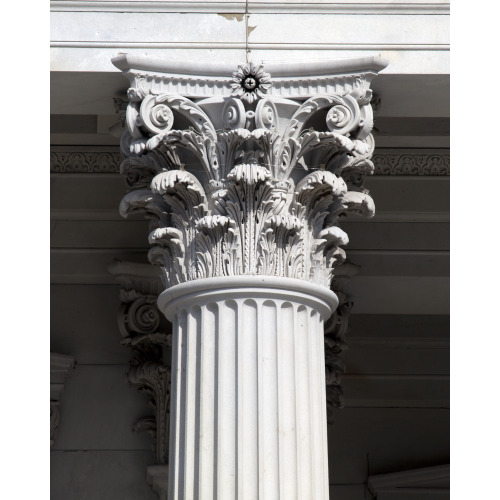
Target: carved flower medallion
(250,82)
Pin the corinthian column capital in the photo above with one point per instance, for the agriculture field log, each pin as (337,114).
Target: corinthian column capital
(248,172)
(245,176)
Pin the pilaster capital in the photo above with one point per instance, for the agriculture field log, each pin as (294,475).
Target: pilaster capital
(249,173)
(148,335)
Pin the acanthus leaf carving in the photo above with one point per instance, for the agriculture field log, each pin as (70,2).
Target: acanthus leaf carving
(153,378)
(147,334)
(261,195)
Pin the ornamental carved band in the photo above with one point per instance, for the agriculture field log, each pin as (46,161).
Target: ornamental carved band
(255,178)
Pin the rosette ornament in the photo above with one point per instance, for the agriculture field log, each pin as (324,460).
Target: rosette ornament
(250,82)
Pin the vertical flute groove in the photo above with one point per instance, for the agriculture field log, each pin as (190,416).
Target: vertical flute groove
(207,404)
(248,404)
(216,452)
(313,418)
(316,390)
(197,314)
(324,439)
(181,377)
(286,390)
(226,463)
(248,488)
(173,458)
(268,402)
(191,367)
(302,405)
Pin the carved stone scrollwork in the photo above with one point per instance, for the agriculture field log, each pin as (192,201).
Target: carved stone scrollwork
(266,214)
(344,116)
(153,378)
(148,335)
(266,115)
(249,187)
(335,338)
(258,187)
(233,114)
(156,116)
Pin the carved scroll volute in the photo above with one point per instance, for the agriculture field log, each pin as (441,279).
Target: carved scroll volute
(138,317)
(266,115)
(344,116)
(233,114)
(150,119)
(343,120)
(155,115)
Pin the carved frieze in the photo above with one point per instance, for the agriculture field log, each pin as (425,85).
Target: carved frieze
(411,164)
(407,162)
(75,162)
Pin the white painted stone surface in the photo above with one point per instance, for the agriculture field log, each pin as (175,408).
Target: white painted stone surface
(360,7)
(380,428)
(413,36)
(248,411)
(348,30)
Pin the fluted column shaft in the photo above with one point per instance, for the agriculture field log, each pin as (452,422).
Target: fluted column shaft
(248,406)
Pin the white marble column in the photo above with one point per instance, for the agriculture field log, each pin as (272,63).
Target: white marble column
(246,181)
(248,407)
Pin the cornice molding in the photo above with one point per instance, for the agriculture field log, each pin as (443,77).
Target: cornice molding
(120,45)
(331,69)
(299,81)
(353,8)
(393,164)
